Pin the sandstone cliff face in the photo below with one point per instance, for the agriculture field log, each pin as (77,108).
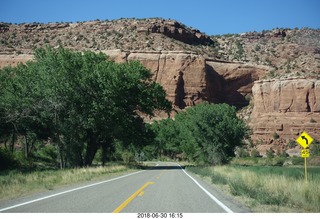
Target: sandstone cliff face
(237,80)
(289,95)
(285,107)
(189,78)
(182,74)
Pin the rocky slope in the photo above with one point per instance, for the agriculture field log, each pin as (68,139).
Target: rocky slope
(126,34)
(272,75)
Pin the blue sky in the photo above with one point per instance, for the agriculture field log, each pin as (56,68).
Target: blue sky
(212,17)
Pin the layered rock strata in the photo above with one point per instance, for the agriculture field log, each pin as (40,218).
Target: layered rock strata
(283,109)
(189,78)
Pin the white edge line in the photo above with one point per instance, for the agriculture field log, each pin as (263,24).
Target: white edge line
(71,190)
(209,194)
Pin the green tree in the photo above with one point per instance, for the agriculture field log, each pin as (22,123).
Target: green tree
(21,108)
(205,133)
(217,131)
(166,141)
(80,101)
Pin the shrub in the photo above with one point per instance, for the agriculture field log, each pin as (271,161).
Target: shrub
(292,143)
(270,153)
(7,160)
(275,136)
(278,161)
(127,157)
(312,120)
(241,152)
(315,148)
(255,153)
(297,160)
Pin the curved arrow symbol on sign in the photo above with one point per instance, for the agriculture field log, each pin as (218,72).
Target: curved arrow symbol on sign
(304,138)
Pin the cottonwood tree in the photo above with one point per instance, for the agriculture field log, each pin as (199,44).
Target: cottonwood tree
(205,133)
(79,100)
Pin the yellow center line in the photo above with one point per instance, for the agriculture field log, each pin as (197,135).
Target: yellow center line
(162,172)
(126,202)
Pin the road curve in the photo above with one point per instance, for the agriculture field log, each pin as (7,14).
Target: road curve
(165,188)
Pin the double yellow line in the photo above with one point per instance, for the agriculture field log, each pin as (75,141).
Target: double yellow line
(126,202)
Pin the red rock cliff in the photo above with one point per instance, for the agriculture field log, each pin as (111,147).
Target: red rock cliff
(285,108)
(189,78)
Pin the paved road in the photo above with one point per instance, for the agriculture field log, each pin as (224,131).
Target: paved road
(165,188)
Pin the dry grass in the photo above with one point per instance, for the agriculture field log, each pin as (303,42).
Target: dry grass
(268,192)
(16,184)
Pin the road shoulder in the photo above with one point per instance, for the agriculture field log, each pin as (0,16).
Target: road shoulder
(226,198)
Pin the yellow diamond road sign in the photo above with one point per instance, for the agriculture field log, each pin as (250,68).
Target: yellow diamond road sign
(304,140)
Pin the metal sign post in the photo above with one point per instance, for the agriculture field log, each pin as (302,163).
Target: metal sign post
(305,140)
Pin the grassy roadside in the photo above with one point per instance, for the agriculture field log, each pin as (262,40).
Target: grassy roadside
(267,189)
(14,184)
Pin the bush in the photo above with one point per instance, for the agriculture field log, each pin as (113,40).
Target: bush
(297,160)
(241,152)
(292,143)
(270,153)
(278,161)
(127,157)
(48,156)
(7,160)
(255,153)
(315,148)
(312,120)
(275,136)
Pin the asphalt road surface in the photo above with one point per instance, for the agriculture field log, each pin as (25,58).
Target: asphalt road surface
(165,188)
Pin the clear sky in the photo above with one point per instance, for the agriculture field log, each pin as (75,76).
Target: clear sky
(210,16)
